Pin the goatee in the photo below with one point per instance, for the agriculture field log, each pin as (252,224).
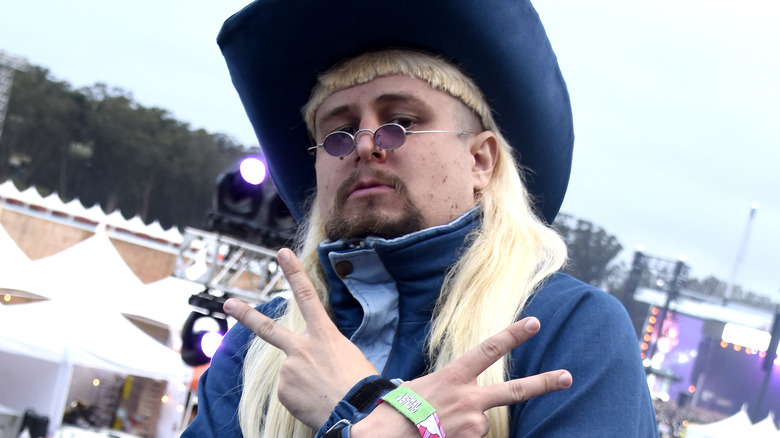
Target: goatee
(368,222)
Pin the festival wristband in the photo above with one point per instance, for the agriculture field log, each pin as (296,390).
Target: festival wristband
(416,409)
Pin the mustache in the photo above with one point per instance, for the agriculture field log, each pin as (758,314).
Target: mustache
(345,189)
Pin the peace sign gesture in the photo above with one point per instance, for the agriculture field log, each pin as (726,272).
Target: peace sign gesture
(322,365)
(461,403)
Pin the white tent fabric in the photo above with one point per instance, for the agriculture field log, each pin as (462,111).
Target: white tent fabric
(165,301)
(95,266)
(11,256)
(10,253)
(91,336)
(74,208)
(15,269)
(89,287)
(8,189)
(27,196)
(63,335)
(765,428)
(164,298)
(93,271)
(738,424)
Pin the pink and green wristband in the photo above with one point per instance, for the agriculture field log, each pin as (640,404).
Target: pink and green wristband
(416,409)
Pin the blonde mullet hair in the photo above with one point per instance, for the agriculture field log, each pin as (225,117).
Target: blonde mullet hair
(512,253)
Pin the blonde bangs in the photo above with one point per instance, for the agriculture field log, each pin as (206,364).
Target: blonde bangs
(437,72)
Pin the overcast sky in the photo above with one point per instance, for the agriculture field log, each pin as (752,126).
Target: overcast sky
(676,106)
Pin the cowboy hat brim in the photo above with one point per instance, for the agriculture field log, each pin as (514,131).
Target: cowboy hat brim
(275,49)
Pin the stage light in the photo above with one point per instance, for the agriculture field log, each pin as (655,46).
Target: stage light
(252,170)
(200,343)
(192,351)
(248,207)
(210,342)
(238,196)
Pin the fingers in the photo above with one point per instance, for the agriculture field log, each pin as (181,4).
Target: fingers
(303,290)
(495,347)
(520,390)
(306,296)
(263,326)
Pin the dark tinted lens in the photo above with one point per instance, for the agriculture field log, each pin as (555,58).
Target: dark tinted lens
(338,144)
(389,136)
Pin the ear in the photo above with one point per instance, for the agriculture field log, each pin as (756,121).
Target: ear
(484,149)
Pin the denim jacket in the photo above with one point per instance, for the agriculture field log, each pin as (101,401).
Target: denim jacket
(382,293)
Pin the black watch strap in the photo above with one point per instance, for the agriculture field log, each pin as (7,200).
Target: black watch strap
(370,392)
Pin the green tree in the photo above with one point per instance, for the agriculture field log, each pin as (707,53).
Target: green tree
(591,250)
(98,145)
(44,117)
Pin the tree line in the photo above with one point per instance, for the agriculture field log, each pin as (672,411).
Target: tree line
(98,145)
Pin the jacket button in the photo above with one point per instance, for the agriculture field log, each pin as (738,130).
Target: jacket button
(343,268)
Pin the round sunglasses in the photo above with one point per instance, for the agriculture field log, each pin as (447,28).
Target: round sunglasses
(389,136)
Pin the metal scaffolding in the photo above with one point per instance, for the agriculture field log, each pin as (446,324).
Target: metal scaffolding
(229,266)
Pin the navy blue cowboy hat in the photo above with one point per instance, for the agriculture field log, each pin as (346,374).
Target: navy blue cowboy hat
(276,48)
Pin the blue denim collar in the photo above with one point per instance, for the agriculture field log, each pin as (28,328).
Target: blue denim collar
(377,284)
(383,244)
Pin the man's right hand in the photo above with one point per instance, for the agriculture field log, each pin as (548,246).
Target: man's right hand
(321,365)
(453,391)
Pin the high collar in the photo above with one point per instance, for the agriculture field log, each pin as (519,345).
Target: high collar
(417,262)
(402,253)
(383,291)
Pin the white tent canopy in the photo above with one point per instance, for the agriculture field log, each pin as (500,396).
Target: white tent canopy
(89,288)
(89,336)
(74,209)
(95,267)
(738,424)
(10,253)
(93,272)
(41,342)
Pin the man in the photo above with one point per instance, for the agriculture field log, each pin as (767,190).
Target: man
(421,239)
